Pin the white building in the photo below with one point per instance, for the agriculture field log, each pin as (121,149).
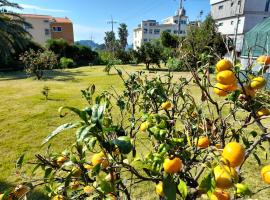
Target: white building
(149,30)
(248,12)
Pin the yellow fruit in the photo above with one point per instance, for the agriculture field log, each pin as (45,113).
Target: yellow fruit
(144,126)
(1,196)
(112,196)
(88,189)
(220,195)
(234,153)
(226,77)
(223,65)
(257,83)
(223,90)
(263,112)
(264,60)
(265,173)
(60,160)
(203,142)
(249,91)
(225,176)
(100,158)
(58,197)
(159,189)
(172,165)
(166,105)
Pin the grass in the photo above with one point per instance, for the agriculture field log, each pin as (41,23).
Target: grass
(26,118)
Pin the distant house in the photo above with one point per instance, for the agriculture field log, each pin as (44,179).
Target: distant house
(149,30)
(46,27)
(242,15)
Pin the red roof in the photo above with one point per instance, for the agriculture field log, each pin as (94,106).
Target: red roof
(62,20)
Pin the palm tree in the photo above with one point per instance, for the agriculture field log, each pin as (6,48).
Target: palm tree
(13,35)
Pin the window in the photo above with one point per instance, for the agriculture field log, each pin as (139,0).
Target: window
(232,4)
(176,21)
(169,30)
(182,32)
(156,31)
(175,32)
(145,40)
(152,24)
(27,27)
(145,24)
(150,31)
(57,28)
(183,22)
(220,24)
(46,21)
(267,6)
(220,7)
(145,31)
(239,21)
(47,31)
(239,2)
(232,22)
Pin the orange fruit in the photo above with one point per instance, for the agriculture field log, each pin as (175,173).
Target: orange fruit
(166,105)
(257,83)
(234,153)
(100,158)
(263,112)
(88,189)
(58,197)
(264,60)
(159,189)
(249,91)
(265,173)
(144,126)
(172,165)
(226,77)
(203,142)
(225,176)
(223,65)
(61,160)
(220,195)
(222,90)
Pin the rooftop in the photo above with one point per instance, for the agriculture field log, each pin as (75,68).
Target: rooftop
(55,19)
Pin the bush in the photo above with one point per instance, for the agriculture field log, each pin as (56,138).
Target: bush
(158,132)
(66,63)
(37,61)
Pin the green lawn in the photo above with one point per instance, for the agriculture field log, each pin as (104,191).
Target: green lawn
(26,118)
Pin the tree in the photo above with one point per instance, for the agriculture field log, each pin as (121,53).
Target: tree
(13,36)
(38,61)
(168,40)
(110,40)
(123,35)
(149,53)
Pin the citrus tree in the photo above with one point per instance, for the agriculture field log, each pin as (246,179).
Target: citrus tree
(158,131)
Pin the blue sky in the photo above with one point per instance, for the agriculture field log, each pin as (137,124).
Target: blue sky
(90,16)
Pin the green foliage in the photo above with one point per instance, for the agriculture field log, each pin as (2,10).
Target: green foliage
(37,61)
(45,92)
(123,35)
(169,40)
(110,41)
(66,63)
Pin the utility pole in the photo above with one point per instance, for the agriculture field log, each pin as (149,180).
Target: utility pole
(180,14)
(237,25)
(112,22)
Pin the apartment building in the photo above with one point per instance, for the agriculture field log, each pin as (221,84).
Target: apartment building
(46,27)
(247,13)
(149,30)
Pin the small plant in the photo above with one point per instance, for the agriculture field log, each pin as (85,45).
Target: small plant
(111,64)
(66,63)
(37,61)
(45,92)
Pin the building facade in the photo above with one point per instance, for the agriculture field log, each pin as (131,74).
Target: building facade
(238,16)
(149,30)
(46,27)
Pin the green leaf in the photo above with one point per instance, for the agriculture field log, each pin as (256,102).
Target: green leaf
(208,184)
(19,162)
(91,143)
(48,171)
(96,169)
(182,188)
(81,114)
(59,130)
(257,158)
(98,113)
(83,132)
(105,187)
(124,144)
(169,188)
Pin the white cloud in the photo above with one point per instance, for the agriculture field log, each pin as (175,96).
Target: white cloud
(83,32)
(38,8)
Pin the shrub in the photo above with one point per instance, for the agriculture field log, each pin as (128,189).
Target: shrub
(155,131)
(66,63)
(37,61)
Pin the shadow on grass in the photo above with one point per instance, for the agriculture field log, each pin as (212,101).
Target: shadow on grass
(33,195)
(58,75)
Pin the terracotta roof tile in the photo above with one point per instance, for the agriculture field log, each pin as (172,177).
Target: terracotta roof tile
(62,20)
